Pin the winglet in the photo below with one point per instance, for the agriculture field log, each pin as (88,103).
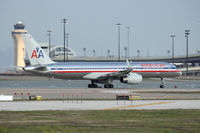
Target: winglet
(128,64)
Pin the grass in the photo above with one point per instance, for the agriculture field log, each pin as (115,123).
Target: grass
(143,121)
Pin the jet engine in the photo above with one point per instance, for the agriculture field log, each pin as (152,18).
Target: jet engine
(131,78)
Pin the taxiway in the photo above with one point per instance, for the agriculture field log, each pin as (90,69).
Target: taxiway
(99,105)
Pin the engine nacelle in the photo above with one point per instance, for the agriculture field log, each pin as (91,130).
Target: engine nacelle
(131,78)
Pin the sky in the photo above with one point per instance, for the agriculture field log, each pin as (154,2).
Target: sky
(92,24)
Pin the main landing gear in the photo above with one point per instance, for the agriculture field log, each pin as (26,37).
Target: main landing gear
(93,85)
(162,84)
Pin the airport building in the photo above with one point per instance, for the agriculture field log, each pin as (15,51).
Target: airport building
(19,49)
(57,51)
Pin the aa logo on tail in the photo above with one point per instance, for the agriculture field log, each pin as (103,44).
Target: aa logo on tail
(37,53)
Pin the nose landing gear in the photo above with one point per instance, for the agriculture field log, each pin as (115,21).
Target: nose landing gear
(162,84)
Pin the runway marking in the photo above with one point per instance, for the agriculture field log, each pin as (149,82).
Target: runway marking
(140,105)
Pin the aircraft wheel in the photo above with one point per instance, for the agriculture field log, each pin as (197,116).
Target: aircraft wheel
(92,85)
(162,86)
(89,85)
(95,85)
(162,83)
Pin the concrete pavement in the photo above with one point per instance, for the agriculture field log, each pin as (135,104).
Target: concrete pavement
(99,105)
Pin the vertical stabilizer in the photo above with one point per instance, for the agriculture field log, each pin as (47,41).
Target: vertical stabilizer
(35,53)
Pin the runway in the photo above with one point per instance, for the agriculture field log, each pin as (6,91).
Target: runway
(99,105)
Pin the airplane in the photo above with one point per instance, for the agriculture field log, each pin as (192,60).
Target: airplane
(96,72)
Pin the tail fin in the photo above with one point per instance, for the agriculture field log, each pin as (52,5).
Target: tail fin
(35,53)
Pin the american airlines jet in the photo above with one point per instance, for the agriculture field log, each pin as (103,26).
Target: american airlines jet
(97,72)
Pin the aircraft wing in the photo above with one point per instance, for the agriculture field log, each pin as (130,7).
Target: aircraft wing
(116,74)
(106,75)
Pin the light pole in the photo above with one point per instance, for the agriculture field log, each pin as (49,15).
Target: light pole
(128,27)
(49,35)
(172,36)
(168,52)
(93,52)
(64,20)
(108,51)
(118,25)
(126,53)
(67,37)
(187,32)
(84,52)
(138,51)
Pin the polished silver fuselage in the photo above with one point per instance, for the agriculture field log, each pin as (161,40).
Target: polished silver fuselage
(77,70)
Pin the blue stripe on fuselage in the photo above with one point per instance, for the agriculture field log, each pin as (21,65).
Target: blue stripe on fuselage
(109,65)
